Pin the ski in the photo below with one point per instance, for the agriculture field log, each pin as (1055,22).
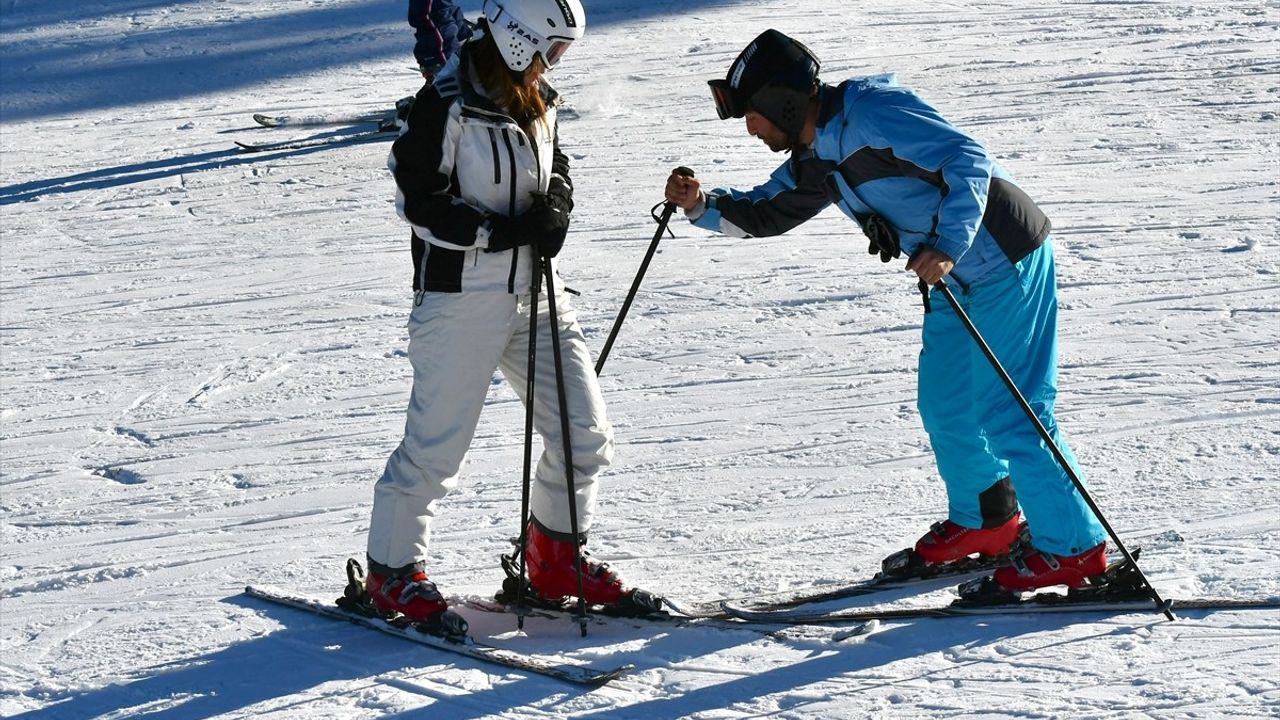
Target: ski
(1119,590)
(463,645)
(554,610)
(346,139)
(316,120)
(910,574)
(903,571)
(639,605)
(696,611)
(717,619)
(1039,603)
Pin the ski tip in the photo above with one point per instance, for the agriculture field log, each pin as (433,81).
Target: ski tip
(604,678)
(862,629)
(263,120)
(693,611)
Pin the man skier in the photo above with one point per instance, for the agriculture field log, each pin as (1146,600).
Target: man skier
(917,185)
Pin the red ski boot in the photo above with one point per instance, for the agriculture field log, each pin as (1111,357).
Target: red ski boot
(553,578)
(1032,569)
(406,591)
(552,574)
(948,542)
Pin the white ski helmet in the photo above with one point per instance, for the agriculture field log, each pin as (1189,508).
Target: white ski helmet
(524,28)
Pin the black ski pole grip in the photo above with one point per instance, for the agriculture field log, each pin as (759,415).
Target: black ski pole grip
(669,208)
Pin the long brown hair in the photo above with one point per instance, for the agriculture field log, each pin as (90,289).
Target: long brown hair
(525,104)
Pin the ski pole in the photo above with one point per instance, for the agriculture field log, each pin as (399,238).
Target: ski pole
(1162,605)
(563,401)
(668,209)
(535,285)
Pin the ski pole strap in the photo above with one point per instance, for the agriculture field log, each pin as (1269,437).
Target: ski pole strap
(924,296)
(667,210)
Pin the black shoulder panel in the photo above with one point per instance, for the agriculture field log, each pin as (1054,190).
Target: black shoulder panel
(1014,220)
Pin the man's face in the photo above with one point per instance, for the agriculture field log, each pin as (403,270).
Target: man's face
(758,126)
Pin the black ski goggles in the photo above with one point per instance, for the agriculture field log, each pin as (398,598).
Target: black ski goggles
(727,103)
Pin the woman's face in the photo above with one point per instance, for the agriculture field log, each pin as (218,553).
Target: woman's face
(534,72)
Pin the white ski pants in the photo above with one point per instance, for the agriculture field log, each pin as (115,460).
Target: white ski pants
(456,341)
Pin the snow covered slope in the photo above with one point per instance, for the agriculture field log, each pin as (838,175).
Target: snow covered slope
(203,367)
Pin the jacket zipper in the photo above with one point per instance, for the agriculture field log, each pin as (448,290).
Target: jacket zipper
(497,163)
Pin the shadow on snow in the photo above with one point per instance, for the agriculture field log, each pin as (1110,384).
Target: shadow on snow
(93,72)
(104,58)
(875,653)
(308,652)
(128,174)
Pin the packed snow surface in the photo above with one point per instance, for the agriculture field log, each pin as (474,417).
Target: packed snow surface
(204,367)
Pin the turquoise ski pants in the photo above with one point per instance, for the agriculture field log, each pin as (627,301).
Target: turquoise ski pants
(978,432)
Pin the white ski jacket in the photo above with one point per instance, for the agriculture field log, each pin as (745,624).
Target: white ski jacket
(459,159)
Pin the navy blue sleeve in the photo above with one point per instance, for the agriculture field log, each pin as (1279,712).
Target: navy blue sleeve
(773,208)
(439,27)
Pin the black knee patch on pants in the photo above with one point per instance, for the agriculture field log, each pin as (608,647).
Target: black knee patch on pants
(557,535)
(404,571)
(998,503)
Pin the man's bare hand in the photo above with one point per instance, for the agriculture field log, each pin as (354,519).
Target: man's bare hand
(930,265)
(683,191)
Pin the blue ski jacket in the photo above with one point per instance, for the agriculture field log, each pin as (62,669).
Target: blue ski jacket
(880,149)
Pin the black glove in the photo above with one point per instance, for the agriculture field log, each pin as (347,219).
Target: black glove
(505,233)
(401,119)
(884,239)
(547,222)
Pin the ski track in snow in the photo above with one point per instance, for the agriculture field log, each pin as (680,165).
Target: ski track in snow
(204,370)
